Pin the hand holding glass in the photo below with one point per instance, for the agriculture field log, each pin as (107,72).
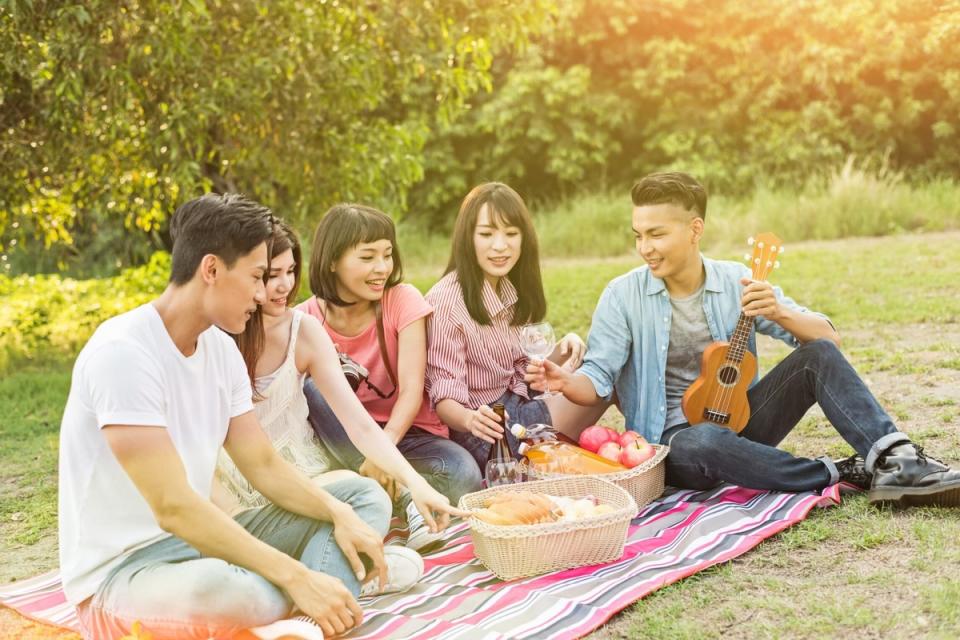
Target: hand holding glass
(538,341)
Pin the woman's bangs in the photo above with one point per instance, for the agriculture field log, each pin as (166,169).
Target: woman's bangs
(507,210)
(374,228)
(504,217)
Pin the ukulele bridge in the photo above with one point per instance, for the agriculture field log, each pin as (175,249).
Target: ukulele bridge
(716,417)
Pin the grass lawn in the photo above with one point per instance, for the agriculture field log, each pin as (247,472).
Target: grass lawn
(852,570)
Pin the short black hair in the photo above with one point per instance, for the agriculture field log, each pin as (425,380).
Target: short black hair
(672,187)
(343,227)
(226,225)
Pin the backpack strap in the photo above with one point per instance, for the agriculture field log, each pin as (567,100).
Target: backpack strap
(383,345)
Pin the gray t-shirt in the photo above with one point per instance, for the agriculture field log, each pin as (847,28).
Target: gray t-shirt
(689,336)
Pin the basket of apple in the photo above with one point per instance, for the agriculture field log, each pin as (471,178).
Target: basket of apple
(637,465)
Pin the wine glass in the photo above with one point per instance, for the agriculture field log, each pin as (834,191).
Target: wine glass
(500,472)
(538,341)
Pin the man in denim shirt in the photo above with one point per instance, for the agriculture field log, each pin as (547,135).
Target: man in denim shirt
(646,342)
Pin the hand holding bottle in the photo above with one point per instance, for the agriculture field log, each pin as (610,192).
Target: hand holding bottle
(485,424)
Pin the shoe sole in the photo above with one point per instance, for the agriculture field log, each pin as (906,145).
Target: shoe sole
(948,496)
(291,629)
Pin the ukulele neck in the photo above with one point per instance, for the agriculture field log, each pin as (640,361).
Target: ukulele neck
(740,339)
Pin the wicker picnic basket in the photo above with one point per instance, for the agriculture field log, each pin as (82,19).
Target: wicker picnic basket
(519,551)
(644,482)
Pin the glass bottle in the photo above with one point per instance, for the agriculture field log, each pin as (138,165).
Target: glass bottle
(544,453)
(533,434)
(502,467)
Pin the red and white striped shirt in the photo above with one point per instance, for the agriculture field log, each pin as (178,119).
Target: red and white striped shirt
(467,362)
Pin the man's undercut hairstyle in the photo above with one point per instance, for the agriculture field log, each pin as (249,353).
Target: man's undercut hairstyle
(343,227)
(227,225)
(672,187)
(505,208)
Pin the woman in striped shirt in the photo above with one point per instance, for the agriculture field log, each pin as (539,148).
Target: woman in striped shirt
(492,288)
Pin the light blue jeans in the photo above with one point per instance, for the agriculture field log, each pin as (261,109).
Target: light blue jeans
(176,594)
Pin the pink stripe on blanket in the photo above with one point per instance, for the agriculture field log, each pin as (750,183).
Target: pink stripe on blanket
(459,599)
(44,603)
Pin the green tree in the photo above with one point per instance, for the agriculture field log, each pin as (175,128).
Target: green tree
(111,113)
(741,93)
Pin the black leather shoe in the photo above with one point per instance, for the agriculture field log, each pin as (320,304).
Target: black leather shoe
(853,470)
(904,475)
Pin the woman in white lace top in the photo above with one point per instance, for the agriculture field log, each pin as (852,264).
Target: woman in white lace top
(281,347)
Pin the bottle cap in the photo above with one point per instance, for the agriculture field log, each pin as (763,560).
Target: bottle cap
(518,430)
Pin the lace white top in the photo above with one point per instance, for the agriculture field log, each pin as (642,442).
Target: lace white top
(283,416)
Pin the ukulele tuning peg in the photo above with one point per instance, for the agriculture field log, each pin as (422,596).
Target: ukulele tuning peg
(776,264)
(746,257)
(781,248)
(773,248)
(760,245)
(756,261)
(750,241)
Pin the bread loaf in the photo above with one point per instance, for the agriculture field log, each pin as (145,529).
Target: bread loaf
(518,507)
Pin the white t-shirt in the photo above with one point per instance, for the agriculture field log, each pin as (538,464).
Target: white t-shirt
(131,373)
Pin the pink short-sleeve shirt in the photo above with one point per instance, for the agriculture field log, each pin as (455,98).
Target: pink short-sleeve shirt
(402,306)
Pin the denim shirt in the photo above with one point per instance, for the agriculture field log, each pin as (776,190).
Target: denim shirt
(630,334)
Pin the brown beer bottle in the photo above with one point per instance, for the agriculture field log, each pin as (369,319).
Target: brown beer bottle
(500,450)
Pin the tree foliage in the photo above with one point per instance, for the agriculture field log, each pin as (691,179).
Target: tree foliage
(741,93)
(111,113)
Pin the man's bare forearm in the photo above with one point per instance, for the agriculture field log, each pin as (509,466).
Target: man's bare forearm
(578,388)
(289,488)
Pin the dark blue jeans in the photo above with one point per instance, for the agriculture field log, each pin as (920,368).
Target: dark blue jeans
(447,466)
(704,455)
(519,410)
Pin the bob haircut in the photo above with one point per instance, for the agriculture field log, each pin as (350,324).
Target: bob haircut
(252,341)
(505,208)
(343,227)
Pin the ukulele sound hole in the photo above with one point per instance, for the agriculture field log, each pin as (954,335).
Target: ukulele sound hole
(728,375)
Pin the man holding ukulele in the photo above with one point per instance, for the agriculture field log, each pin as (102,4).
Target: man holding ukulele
(649,332)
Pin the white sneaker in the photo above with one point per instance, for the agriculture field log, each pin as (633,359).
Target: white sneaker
(299,628)
(420,537)
(404,569)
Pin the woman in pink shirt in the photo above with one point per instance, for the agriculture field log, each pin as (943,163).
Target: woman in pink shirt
(492,288)
(379,322)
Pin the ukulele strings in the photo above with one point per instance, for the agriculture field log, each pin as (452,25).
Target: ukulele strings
(724,393)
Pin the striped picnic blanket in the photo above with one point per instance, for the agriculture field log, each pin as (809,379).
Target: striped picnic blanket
(458,599)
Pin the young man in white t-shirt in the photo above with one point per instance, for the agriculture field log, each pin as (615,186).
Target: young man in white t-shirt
(155,393)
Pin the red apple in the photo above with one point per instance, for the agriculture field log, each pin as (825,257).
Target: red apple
(627,437)
(610,451)
(592,438)
(636,452)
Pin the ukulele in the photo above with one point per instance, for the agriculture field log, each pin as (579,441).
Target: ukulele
(719,394)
